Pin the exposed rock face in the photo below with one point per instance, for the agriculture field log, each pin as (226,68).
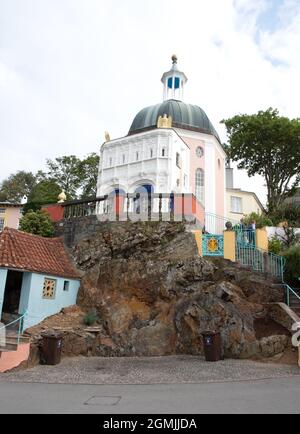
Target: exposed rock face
(155,295)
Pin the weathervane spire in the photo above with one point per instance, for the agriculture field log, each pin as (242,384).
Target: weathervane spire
(174,81)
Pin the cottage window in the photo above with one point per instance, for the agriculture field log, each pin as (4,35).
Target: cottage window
(1,224)
(2,210)
(66,286)
(49,289)
(178,160)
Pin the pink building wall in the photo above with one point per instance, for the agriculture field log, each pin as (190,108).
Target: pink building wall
(12,217)
(220,184)
(195,162)
(12,359)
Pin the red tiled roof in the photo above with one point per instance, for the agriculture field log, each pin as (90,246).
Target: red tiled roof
(22,251)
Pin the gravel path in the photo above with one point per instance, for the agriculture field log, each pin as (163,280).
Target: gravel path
(158,370)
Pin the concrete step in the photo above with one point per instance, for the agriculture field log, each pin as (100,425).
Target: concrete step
(12,342)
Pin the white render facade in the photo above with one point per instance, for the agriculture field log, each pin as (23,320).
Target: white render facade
(159,158)
(171,147)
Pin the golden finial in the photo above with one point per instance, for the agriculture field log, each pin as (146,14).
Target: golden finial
(62,197)
(107,136)
(165,121)
(174,58)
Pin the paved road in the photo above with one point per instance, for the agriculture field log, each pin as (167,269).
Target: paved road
(264,396)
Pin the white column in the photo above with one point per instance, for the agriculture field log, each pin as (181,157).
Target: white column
(173,87)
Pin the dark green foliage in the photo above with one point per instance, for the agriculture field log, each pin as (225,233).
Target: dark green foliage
(292,256)
(275,246)
(65,172)
(261,220)
(37,223)
(267,144)
(89,168)
(16,186)
(287,213)
(91,318)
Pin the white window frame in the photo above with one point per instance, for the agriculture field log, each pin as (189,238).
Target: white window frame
(236,204)
(200,185)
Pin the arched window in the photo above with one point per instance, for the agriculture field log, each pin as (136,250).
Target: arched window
(151,153)
(163,153)
(200,185)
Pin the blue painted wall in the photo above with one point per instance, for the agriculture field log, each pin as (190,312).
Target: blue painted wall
(40,308)
(3,275)
(32,301)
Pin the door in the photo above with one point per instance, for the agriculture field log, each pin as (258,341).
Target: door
(12,292)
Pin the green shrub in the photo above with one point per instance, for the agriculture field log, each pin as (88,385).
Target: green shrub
(289,212)
(292,256)
(261,220)
(91,318)
(275,246)
(37,223)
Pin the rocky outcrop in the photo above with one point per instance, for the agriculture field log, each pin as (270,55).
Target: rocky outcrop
(155,295)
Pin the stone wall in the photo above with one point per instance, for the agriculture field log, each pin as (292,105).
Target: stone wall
(76,229)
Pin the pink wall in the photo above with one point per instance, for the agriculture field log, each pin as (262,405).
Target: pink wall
(13,217)
(195,163)
(56,212)
(186,205)
(220,184)
(12,359)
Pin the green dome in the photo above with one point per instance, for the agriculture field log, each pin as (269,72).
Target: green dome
(186,116)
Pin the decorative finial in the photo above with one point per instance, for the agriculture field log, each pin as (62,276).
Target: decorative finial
(62,197)
(174,59)
(107,136)
(165,121)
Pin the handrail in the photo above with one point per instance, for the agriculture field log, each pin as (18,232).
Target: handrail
(289,290)
(15,321)
(18,320)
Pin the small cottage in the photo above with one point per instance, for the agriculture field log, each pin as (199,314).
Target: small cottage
(36,276)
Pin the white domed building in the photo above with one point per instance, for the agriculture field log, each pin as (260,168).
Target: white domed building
(171,147)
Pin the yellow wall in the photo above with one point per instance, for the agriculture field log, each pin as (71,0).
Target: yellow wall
(262,241)
(230,246)
(11,216)
(198,237)
(250,204)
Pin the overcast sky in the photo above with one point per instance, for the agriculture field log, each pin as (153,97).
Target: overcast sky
(71,69)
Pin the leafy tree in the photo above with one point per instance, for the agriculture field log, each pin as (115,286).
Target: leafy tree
(16,186)
(290,237)
(288,212)
(267,144)
(261,220)
(275,246)
(66,173)
(37,223)
(292,269)
(45,192)
(89,168)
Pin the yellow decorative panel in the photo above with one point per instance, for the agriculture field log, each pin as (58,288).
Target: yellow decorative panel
(230,246)
(49,289)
